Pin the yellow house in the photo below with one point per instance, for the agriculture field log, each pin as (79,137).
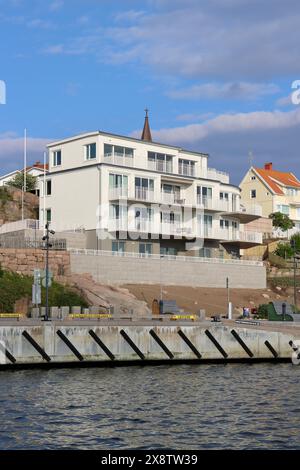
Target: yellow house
(274,191)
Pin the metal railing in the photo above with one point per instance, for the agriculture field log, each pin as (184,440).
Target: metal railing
(214,174)
(120,160)
(163,167)
(190,259)
(144,194)
(20,225)
(117,192)
(29,243)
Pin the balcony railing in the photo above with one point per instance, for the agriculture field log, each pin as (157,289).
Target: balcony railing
(163,167)
(217,175)
(171,198)
(119,160)
(253,209)
(186,170)
(229,235)
(214,204)
(144,194)
(118,192)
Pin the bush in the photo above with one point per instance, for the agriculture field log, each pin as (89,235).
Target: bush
(14,286)
(284,250)
(263,311)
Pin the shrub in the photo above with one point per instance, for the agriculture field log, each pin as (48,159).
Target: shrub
(284,250)
(262,311)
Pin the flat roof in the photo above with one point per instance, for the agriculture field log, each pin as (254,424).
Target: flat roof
(132,139)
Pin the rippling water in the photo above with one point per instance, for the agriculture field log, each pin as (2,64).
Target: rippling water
(182,407)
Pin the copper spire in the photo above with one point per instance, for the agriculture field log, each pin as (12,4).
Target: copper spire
(146,134)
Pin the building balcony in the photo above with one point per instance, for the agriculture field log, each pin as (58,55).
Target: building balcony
(118,192)
(216,205)
(247,212)
(186,170)
(244,239)
(144,194)
(162,167)
(171,198)
(214,174)
(119,160)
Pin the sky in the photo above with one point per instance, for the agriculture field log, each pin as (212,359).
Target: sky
(216,76)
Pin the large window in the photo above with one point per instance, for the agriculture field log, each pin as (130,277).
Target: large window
(168,251)
(118,211)
(292,192)
(204,196)
(117,151)
(56,158)
(145,249)
(118,247)
(90,151)
(144,188)
(186,167)
(160,162)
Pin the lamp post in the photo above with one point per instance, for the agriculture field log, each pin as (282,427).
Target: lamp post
(46,238)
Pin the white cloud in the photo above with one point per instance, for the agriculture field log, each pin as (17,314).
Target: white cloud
(11,150)
(229,91)
(285,101)
(188,117)
(258,121)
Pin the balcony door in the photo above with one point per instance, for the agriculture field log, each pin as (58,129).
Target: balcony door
(204,196)
(144,188)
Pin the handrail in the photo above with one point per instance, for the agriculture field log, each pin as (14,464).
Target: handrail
(191,259)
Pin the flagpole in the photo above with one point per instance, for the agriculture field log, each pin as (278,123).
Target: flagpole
(24,171)
(44,194)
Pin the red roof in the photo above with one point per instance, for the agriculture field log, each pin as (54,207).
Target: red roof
(38,165)
(272,178)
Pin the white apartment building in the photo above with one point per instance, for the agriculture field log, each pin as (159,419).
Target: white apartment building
(154,198)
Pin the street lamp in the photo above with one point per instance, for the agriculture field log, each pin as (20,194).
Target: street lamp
(46,238)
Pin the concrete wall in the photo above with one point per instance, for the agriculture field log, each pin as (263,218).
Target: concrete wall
(25,261)
(12,339)
(126,270)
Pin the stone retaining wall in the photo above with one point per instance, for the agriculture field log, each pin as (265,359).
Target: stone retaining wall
(25,261)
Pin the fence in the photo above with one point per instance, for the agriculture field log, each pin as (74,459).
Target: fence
(29,243)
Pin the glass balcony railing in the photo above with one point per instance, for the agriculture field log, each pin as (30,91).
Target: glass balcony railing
(144,194)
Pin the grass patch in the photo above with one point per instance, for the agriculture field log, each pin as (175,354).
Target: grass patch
(15,286)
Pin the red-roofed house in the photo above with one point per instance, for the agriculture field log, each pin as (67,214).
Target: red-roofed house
(37,169)
(274,191)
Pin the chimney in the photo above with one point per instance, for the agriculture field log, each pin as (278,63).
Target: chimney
(269,166)
(146,135)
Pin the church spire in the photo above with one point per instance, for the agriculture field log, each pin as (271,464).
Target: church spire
(146,134)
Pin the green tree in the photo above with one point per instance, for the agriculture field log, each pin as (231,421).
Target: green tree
(281,221)
(18,181)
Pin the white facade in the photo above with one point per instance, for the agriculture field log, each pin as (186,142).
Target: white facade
(168,192)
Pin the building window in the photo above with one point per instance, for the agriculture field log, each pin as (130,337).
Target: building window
(284,209)
(253,193)
(224,196)
(118,181)
(224,224)
(144,188)
(205,252)
(168,251)
(145,249)
(117,151)
(186,167)
(253,178)
(90,151)
(118,247)
(56,158)
(48,188)
(160,162)
(48,215)
(292,192)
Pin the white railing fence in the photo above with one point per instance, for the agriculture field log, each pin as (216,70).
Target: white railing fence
(190,259)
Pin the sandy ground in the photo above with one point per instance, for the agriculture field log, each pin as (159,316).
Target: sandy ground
(213,300)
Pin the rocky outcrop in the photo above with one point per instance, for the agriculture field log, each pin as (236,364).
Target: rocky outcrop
(11,205)
(105,296)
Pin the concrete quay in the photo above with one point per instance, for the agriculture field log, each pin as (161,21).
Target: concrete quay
(28,343)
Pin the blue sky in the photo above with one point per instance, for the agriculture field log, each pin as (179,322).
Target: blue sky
(215,74)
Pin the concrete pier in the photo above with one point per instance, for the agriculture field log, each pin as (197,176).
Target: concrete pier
(26,343)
